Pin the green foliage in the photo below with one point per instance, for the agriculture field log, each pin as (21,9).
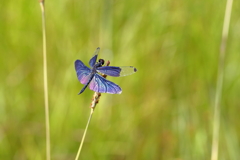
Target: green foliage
(165,110)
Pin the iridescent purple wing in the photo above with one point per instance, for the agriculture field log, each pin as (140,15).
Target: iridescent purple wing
(83,72)
(101,85)
(94,58)
(117,71)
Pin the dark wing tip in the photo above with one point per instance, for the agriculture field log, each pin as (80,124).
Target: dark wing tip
(135,69)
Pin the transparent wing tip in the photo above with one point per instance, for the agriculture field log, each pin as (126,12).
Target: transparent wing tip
(97,50)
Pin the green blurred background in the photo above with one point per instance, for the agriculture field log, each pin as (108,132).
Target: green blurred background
(165,110)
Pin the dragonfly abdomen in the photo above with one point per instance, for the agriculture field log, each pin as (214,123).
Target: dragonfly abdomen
(90,79)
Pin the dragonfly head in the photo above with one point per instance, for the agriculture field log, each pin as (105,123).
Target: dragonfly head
(101,62)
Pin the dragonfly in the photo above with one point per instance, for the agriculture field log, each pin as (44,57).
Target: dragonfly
(93,78)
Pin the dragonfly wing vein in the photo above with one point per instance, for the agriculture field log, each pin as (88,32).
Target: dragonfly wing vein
(117,71)
(101,85)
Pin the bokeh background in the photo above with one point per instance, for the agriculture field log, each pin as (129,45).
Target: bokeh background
(165,110)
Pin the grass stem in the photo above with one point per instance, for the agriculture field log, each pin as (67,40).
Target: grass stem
(218,95)
(48,152)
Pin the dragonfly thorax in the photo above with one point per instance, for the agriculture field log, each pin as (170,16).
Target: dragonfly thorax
(98,64)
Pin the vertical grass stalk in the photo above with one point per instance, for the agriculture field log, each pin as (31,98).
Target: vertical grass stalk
(218,95)
(45,83)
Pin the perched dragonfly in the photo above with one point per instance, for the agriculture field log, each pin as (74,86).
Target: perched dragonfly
(93,78)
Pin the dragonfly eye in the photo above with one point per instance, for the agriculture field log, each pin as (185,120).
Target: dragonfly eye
(101,61)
